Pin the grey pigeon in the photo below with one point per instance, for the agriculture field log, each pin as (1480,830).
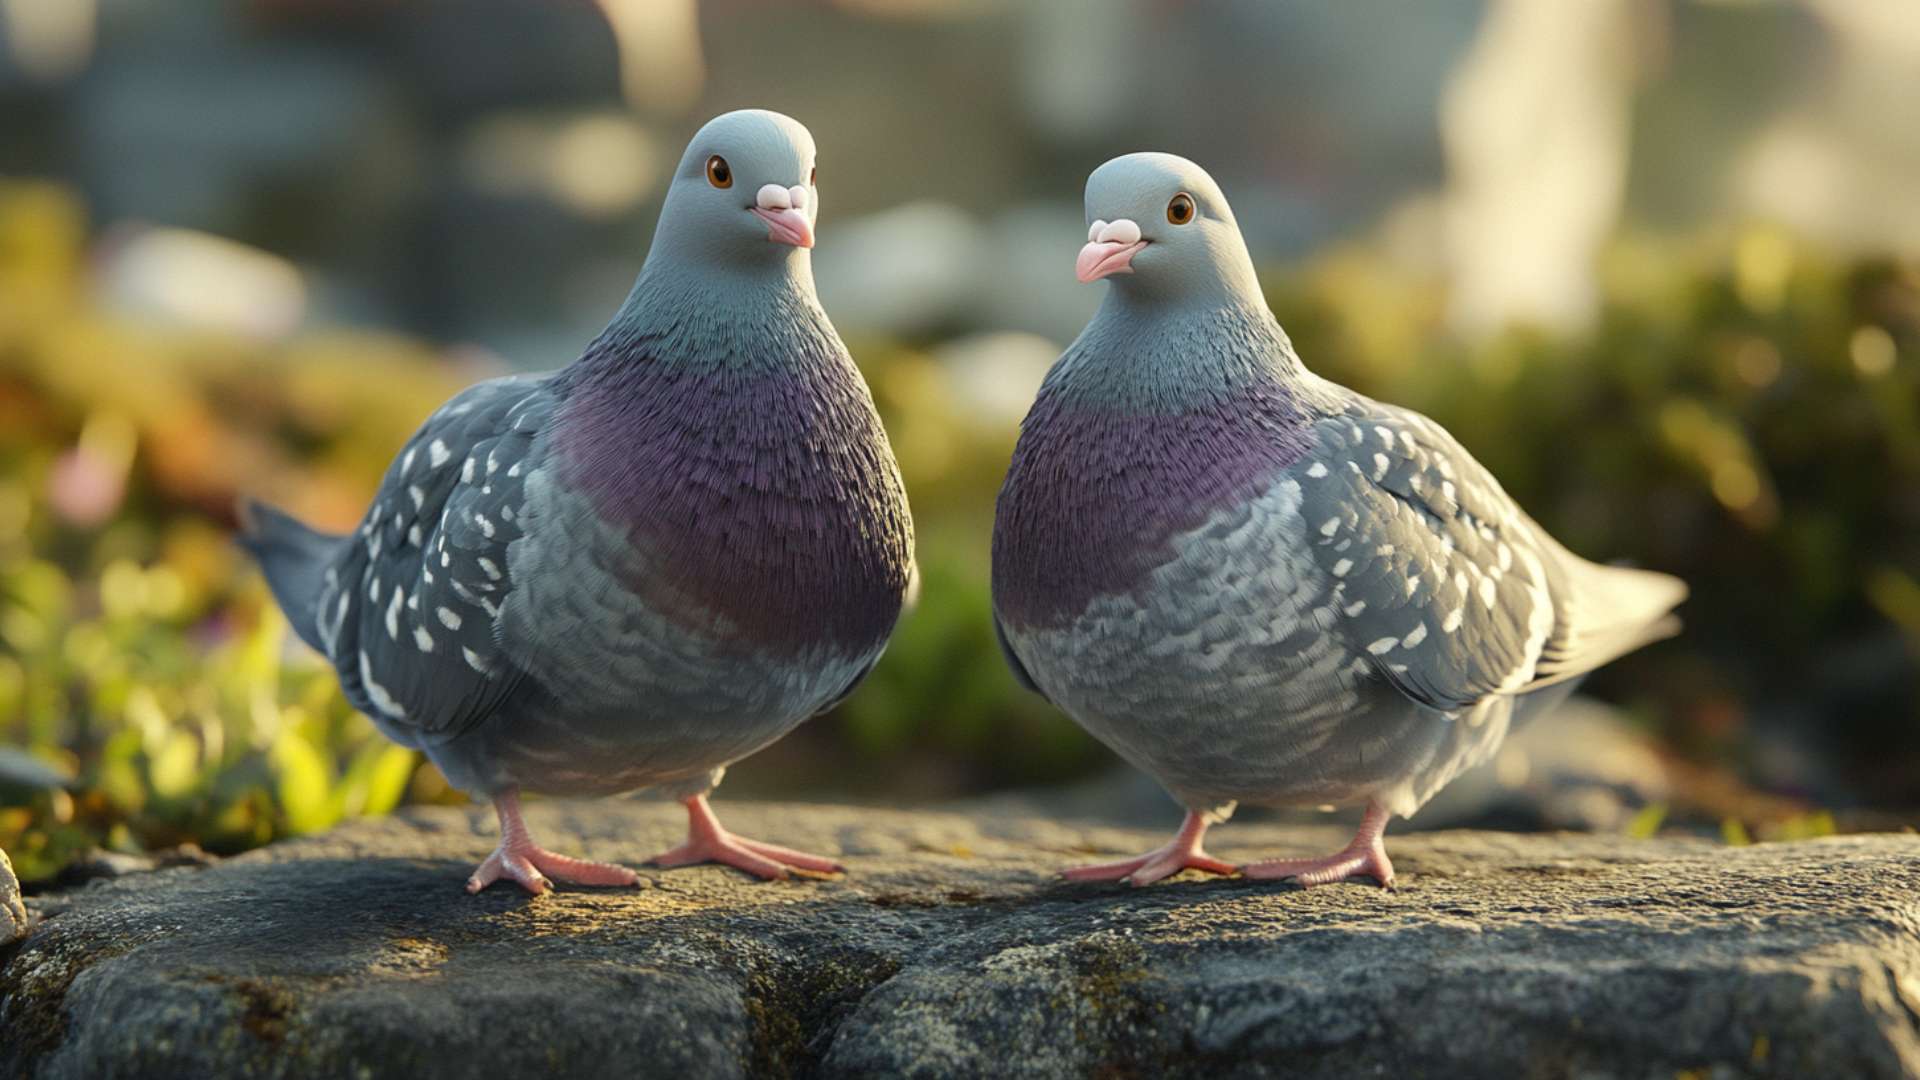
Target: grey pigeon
(642,567)
(1258,585)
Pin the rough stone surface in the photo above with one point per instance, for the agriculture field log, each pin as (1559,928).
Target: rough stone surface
(949,950)
(13,914)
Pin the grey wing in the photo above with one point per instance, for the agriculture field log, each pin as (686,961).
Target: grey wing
(1449,590)
(409,611)
(1440,581)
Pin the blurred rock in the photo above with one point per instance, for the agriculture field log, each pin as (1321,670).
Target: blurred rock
(23,771)
(13,913)
(952,949)
(1585,767)
(102,865)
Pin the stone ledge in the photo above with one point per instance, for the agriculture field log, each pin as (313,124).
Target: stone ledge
(950,950)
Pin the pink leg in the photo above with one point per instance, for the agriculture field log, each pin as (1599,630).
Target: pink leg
(1365,856)
(709,841)
(526,862)
(1183,852)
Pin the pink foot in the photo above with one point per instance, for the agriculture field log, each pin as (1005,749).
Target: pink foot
(1183,852)
(533,866)
(708,841)
(1366,856)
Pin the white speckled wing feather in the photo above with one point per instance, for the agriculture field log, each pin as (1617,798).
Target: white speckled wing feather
(409,611)
(1442,583)
(1452,593)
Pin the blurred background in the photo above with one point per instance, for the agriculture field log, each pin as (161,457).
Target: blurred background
(1656,263)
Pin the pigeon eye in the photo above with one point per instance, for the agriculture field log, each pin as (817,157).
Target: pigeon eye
(1180,210)
(718,174)
(813,176)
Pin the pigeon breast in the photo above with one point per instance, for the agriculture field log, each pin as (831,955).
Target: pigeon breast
(763,493)
(1109,468)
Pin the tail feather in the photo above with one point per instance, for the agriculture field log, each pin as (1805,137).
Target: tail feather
(294,557)
(1610,611)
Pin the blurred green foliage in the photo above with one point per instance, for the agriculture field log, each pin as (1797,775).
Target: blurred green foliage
(1746,414)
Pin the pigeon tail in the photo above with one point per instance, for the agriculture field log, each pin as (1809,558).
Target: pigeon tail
(294,557)
(1611,611)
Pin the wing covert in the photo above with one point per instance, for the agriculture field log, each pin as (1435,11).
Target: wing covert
(409,611)
(1441,583)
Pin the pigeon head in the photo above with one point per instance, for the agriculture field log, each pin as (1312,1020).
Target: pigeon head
(1159,228)
(743,194)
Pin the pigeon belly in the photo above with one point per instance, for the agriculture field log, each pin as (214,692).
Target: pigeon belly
(1217,673)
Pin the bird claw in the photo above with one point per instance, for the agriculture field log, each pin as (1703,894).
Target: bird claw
(1353,861)
(768,861)
(1149,868)
(707,841)
(1183,852)
(535,869)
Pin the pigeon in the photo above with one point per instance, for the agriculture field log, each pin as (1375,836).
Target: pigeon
(1257,585)
(640,568)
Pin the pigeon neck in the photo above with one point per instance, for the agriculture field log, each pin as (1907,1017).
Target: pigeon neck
(744,318)
(1169,358)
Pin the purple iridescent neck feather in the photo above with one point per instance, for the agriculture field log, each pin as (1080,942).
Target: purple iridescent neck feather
(724,426)
(1143,429)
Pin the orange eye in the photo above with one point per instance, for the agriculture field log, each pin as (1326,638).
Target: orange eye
(718,174)
(813,176)
(1180,209)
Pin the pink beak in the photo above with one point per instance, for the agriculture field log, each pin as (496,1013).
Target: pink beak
(786,225)
(1103,257)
